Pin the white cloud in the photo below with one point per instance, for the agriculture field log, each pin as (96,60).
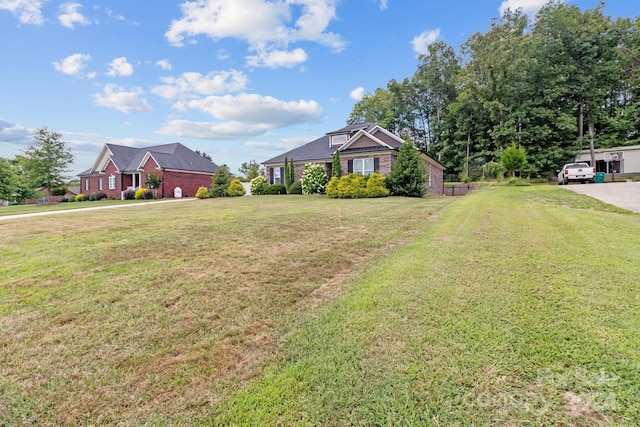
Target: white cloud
(261,23)
(241,116)
(383,4)
(13,134)
(164,64)
(192,84)
(357,94)
(421,43)
(530,7)
(68,15)
(73,64)
(120,67)
(277,58)
(283,144)
(27,11)
(119,99)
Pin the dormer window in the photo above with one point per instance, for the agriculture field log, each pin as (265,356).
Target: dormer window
(338,139)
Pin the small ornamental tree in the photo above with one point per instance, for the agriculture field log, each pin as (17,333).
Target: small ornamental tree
(292,173)
(153,181)
(314,179)
(220,182)
(236,188)
(336,167)
(287,175)
(513,159)
(408,174)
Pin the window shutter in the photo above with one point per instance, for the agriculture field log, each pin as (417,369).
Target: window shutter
(282,178)
(376,164)
(270,175)
(350,166)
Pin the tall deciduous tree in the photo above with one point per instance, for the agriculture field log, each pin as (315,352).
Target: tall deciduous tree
(250,170)
(8,180)
(47,160)
(409,174)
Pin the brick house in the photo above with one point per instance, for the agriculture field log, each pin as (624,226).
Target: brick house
(363,147)
(119,168)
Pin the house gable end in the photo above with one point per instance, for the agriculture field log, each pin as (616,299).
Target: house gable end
(103,160)
(145,159)
(363,139)
(386,136)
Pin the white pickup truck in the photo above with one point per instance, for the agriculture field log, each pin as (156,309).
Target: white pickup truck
(576,172)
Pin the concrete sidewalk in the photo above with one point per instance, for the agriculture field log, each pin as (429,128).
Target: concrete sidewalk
(93,208)
(625,195)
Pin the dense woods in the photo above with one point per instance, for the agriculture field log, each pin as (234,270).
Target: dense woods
(565,81)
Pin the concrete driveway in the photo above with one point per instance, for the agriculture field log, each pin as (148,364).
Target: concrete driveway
(625,195)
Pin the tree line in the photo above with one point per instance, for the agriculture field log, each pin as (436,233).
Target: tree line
(567,81)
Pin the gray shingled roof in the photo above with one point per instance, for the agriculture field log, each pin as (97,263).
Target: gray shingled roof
(168,156)
(318,149)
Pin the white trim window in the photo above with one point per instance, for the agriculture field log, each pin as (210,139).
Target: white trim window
(277,179)
(338,139)
(363,166)
(112,182)
(86,184)
(100,185)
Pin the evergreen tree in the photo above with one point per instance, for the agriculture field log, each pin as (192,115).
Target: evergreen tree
(408,174)
(336,167)
(513,159)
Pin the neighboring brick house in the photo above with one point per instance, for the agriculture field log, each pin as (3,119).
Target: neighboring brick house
(363,147)
(119,168)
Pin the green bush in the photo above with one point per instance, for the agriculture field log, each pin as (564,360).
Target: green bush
(64,199)
(332,187)
(352,186)
(71,199)
(92,197)
(516,182)
(377,186)
(129,195)
(275,189)
(79,197)
(492,170)
(144,193)
(236,188)
(295,188)
(202,193)
(314,179)
(408,174)
(258,185)
(100,196)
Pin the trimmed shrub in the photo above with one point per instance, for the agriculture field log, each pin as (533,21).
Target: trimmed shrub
(220,182)
(79,197)
(314,179)
(332,187)
(352,186)
(377,186)
(100,196)
(129,195)
(236,188)
(92,197)
(144,193)
(258,185)
(275,189)
(295,188)
(202,193)
(71,199)
(64,199)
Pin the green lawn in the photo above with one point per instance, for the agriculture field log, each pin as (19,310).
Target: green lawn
(33,208)
(509,306)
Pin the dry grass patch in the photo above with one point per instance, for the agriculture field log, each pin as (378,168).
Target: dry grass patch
(157,313)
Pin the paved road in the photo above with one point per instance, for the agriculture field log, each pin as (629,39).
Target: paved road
(93,208)
(622,194)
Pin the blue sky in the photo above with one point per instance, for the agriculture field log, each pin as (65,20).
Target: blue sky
(238,79)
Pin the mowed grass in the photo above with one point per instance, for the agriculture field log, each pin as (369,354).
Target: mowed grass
(519,306)
(157,314)
(509,306)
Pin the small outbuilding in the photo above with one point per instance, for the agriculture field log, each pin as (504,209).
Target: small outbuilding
(624,160)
